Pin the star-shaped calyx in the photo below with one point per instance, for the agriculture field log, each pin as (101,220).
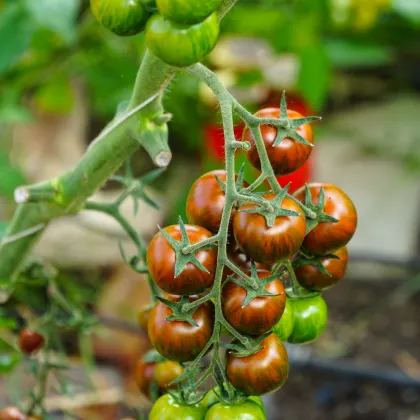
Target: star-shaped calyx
(258,288)
(314,261)
(239,350)
(317,209)
(239,183)
(274,210)
(289,129)
(178,314)
(181,259)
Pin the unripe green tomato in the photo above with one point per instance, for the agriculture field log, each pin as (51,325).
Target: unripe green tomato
(311,315)
(187,11)
(181,45)
(166,408)
(248,410)
(211,399)
(122,17)
(284,328)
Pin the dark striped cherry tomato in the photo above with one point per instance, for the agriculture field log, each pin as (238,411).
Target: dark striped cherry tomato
(262,372)
(327,237)
(30,341)
(311,277)
(179,340)
(289,155)
(265,244)
(261,314)
(161,262)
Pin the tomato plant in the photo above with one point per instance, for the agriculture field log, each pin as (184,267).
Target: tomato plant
(161,260)
(261,314)
(179,340)
(187,11)
(263,372)
(30,341)
(166,408)
(269,244)
(324,272)
(123,17)
(287,156)
(310,318)
(248,410)
(179,44)
(327,237)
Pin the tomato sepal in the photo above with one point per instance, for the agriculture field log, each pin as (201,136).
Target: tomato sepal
(240,350)
(314,261)
(178,313)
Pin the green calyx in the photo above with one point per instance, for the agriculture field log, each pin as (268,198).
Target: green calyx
(254,345)
(178,310)
(315,261)
(181,258)
(152,356)
(287,127)
(273,208)
(258,289)
(318,210)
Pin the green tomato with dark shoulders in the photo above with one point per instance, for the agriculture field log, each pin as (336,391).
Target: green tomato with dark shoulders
(187,11)
(166,408)
(284,328)
(310,318)
(122,17)
(181,45)
(248,410)
(211,399)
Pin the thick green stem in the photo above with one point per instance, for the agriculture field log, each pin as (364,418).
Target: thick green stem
(101,160)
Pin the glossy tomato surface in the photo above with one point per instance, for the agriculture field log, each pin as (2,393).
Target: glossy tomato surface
(30,341)
(289,155)
(248,410)
(123,17)
(211,399)
(284,328)
(312,278)
(179,44)
(206,201)
(269,244)
(12,413)
(161,262)
(327,237)
(261,314)
(179,340)
(166,408)
(310,319)
(262,372)
(166,372)
(187,11)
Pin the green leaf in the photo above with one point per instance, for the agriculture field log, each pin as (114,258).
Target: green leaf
(9,357)
(58,16)
(409,9)
(16,31)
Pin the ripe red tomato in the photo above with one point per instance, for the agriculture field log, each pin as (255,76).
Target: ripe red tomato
(179,340)
(161,262)
(145,373)
(262,372)
(311,277)
(265,244)
(13,413)
(261,314)
(289,155)
(206,201)
(327,237)
(30,341)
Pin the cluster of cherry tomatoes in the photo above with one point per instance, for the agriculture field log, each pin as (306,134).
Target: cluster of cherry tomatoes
(313,247)
(29,343)
(182,33)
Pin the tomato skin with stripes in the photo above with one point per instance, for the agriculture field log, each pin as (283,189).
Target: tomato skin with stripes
(181,45)
(122,17)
